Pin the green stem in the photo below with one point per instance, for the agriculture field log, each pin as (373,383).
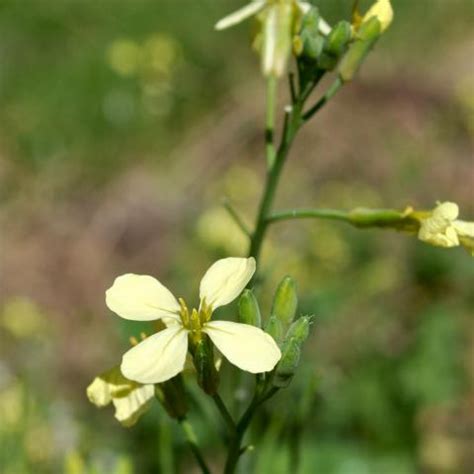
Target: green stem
(308,214)
(235,450)
(359,217)
(293,121)
(224,412)
(191,439)
(270,120)
(291,126)
(330,93)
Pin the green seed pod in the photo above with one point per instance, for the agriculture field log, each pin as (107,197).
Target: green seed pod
(338,39)
(172,396)
(285,301)
(288,364)
(207,376)
(366,37)
(249,311)
(299,330)
(274,328)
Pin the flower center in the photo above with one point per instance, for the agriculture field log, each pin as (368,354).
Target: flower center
(194,321)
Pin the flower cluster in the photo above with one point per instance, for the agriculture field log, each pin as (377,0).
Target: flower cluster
(161,356)
(279,22)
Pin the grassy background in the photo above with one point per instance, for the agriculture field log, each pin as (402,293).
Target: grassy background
(123,124)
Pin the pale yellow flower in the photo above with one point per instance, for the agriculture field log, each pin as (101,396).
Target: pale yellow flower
(382,10)
(278,19)
(443,228)
(131,399)
(162,355)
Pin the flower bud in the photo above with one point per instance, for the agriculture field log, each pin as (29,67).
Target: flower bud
(274,328)
(312,45)
(285,301)
(172,396)
(310,21)
(286,368)
(309,43)
(382,10)
(338,39)
(367,36)
(249,311)
(207,376)
(299,330)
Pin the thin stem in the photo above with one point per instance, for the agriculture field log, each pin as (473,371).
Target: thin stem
(224,412)
(359,217)
(236,217)
(290,127)
(291,84)
(270,120)
(308,214)
(191,439)
(235,450)
(330,93)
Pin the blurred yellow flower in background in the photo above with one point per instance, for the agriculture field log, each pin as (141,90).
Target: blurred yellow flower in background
(22,318)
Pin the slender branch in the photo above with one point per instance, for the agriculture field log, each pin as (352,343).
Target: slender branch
(308,214)
(291,84)
(330,93)
(359,217)
(191,439)
(235,450)
(224,412)
(236,217)
(291,125)
(270,120)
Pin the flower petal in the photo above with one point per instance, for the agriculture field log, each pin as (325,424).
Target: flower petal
(382,10)
(277,38)
(99,392)
(225,280)
(438,229)
(129,407)
(158,358)
(240,15)
(140,298)
(130,399)
(464,228)
(446,210)
(245,346)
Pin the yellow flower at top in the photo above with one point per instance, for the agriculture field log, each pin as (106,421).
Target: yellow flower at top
(442,228)
(382,10)
(162,356)
(279,20)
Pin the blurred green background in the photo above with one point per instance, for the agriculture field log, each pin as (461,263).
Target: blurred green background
(122,126)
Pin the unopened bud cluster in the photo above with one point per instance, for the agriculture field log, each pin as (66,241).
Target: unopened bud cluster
(345,46)
(288,332)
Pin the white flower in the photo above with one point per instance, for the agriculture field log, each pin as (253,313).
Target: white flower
(162,355)
(443,228)
(279,19)
(130,399)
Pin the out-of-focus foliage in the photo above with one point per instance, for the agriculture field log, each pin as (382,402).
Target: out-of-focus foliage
(123,125)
